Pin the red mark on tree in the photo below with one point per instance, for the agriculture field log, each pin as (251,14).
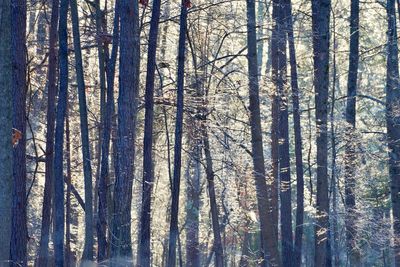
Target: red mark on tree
(188,4)
(144,2)
(16,136)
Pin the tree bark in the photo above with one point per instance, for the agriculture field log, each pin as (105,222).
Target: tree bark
(268,234)
(320,26)
(104,178)
(392,120)
(87,168)
(298,244)
(279,70)
(174,231)
(218,249)
(193,206)
(6,109)
(59,137)
(19,232)
(121,247)
(148,173)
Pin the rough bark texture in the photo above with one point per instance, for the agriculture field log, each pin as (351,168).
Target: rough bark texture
(121,247)
(269,241)
(351,142)
(173,231)
(148,174)
(50,120)
(6,153)
(393,126)
(19,233)
(320,26)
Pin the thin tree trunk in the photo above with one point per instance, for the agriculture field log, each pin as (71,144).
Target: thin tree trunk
(193,207)
(6,109)
(101,29)
(87,168)
(320,26)
(393,127)
(298,244)
(334,185)
(148,172)
(219,252)
(268,234)
(19,232)
(104,178)
(68,252)
(50,122)
(174,231)
(351,143)
(121,247)
(59,137)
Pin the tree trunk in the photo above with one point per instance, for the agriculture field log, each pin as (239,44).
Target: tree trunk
(393,127)
(121,247)
(268,234)
(173,232)
(87,168)
(6,109)
(218,249)
(148,173)
(193,207)
(351,142)
(320,26)
(50,122)
(278,53)
(19,232)
(298,244)
(68,253)
(59,137)
(104,178)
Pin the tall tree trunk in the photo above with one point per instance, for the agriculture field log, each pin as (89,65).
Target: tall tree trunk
(193,206)
(121,247)
(148,173)
(351,142)
(218,249)
(19,232)
(87,168)
(320,26)
(334,183)
(393,127)
(50,122)
(101,30)
(298,244)
(278,53)
(6,110)
(268,234)
(59,137)
(104,178)
(173,231)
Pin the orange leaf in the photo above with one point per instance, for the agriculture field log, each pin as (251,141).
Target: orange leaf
(16,136)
